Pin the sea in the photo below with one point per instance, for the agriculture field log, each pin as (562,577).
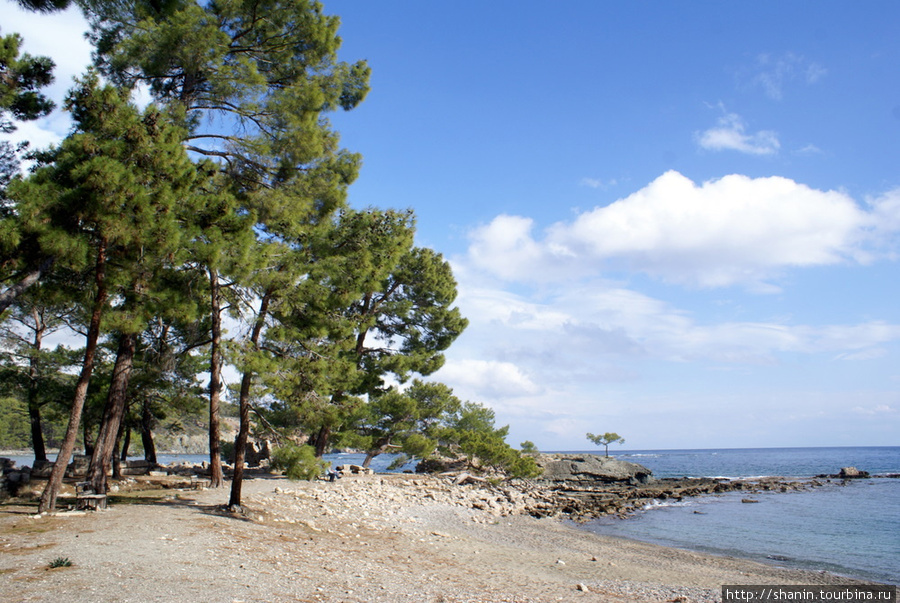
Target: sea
(847,528)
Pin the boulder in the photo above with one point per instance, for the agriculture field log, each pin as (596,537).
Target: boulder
(79,465)
(136,467)
(42,468)
(591,468)
(466,478)
(355,469)
(852,473)
(254,455)
(12,478)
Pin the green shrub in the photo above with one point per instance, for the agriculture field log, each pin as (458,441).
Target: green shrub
(298,462)
(60,562)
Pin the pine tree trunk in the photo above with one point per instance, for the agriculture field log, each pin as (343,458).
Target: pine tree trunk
(86,440)
(126,444)
(322,438)
(380,447)
(215,382)
(116,458)
(119,452)
(240,444)
(37,432)
(34,407)
(147,433)
(369,456)
(104,449)
(51,491)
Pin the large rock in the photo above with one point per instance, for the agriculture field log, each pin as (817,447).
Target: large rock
(42,468)
(136,467)
(591,468)
(79,466)
(852,473)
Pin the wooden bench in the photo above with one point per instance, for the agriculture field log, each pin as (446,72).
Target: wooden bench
(92,502)
(86,499)
(199,483)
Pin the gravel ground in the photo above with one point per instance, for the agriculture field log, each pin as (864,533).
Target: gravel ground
(361,539)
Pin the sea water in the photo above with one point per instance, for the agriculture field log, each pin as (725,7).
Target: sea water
(380,464)
(851,529)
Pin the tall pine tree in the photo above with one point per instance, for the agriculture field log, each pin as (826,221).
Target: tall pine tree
(253,78)
(105,206)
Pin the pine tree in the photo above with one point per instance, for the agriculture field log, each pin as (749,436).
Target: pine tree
(268,79)
(105,205)
(21,78)
(29,370)
(371,305)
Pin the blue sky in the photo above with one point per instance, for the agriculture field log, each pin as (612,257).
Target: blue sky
(676,221)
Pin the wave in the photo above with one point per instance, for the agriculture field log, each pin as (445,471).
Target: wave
(660,504)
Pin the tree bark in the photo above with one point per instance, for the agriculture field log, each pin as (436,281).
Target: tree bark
(86,439)
(104,449)
(119,457)
(215,382)
(147,433)
(34,407)
(321,442)
(380,448)
(240,444)
(126,444)
(51,491)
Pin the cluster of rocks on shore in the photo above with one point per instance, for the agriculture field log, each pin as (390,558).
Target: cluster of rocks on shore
(588,486)
(573,486)
(577,486)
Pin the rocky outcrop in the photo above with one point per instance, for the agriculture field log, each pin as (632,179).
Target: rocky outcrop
(591,469)
(364,494)
(846,473)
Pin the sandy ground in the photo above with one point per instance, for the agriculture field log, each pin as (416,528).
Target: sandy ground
(361,539)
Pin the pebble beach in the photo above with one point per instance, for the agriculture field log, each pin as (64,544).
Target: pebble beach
(360,539)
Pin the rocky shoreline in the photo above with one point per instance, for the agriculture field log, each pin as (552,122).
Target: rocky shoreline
(453,537)
(580,487)
(545,499)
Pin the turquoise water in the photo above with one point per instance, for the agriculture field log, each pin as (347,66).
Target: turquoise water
(851,530)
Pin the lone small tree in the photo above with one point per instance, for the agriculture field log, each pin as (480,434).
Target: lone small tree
(606,439)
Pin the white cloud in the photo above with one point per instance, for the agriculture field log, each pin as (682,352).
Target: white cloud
(868,354)
(773,73)
(597,183)
(569,356)
(507,249)
(885,211)
(880,409)
(586,328)
(809,149)
(487,379)
(730,135)
(735,230)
